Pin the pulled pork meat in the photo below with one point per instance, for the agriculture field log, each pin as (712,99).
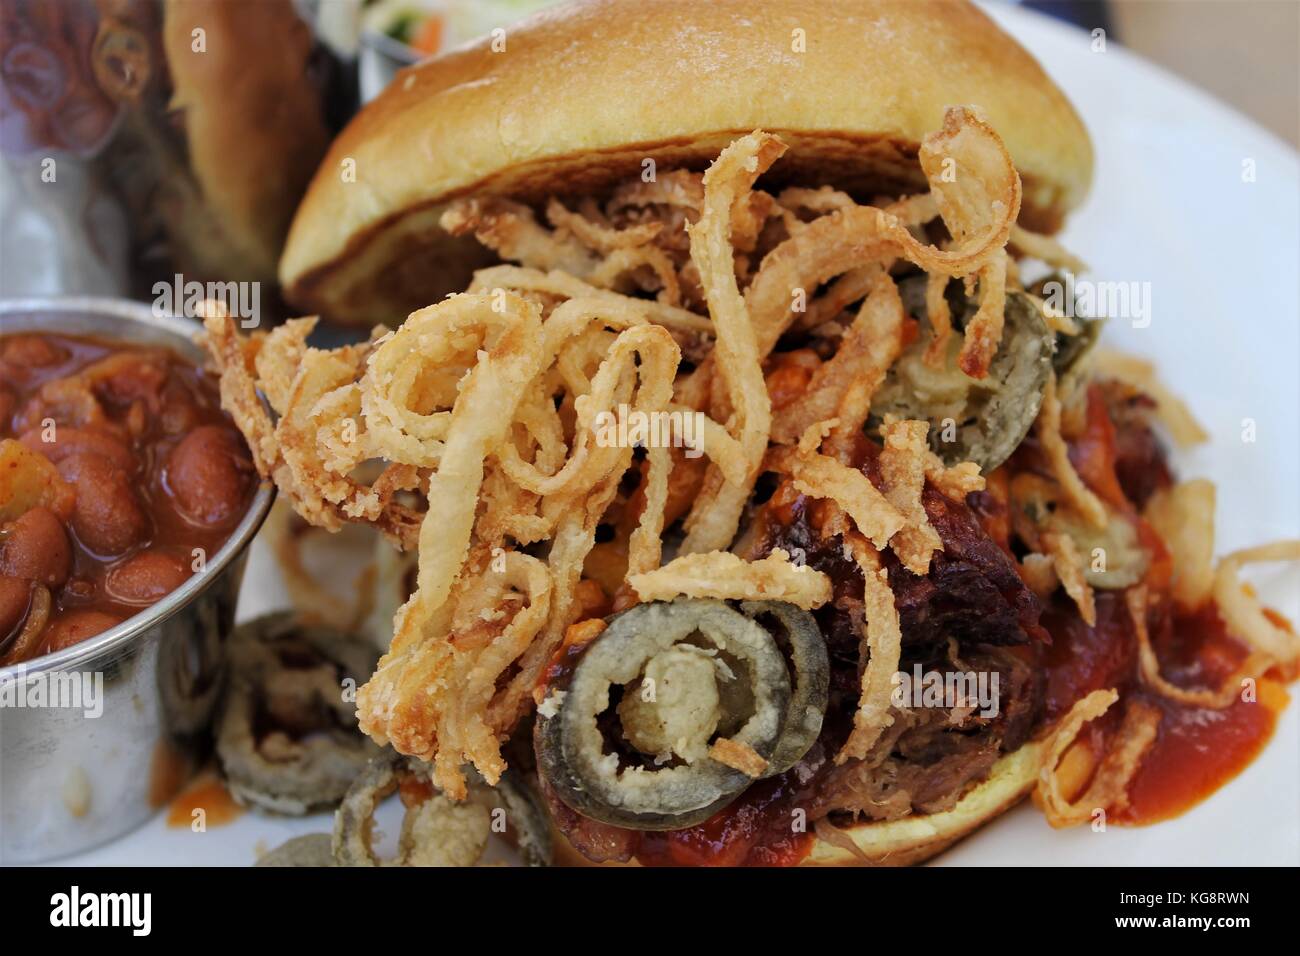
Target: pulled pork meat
(971,613)
(929,756)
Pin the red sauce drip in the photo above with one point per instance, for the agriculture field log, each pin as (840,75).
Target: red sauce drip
(1094,452)
(167,772)
(210,795)
(759,829)
(1082,658)
(1197,750)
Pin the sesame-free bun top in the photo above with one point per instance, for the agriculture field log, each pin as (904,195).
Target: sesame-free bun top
(578,97)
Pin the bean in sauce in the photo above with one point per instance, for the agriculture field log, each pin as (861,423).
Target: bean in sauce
(117,467)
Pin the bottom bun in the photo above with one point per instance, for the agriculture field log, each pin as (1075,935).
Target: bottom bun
(915,839)
(911,839)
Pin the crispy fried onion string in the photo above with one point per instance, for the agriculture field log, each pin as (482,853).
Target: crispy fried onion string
(713,520)
(979,199)
(1068,564)
(1242,611)
(957,481)
(739,756)
(940,316)
(493,356)
(902,467)
(1039,573)
(580,245)
(566,286)
(461,402)
(599,236)
(302,384)
(1149,665)
(1046,249)
(882,648)
(678,187)
(723,575)
(1080,496)
(978,205)
(1108,791)
(1184,517)
(824,477)
(512,230)
(485,410)
(977,191)
(869,347)
(435,693)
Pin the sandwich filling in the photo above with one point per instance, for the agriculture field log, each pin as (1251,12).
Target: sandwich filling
(752,507)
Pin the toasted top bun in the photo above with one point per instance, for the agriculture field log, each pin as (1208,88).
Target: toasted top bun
(578,97)
(909,840)
(254,126)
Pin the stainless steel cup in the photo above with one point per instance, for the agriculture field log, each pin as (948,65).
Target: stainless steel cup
(72,777)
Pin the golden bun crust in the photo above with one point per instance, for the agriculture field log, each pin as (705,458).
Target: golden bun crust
(254,125)
(915,839)
(910,840)
(583,94)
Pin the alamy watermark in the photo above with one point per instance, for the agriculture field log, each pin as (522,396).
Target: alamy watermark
(1091,299)
(626,427)
(196,300)
(977,690)
(63,690)
(133,911)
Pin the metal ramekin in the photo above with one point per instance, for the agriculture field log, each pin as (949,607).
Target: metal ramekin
(69,781)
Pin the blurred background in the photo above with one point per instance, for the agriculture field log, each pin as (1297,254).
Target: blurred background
(104,98)
(1245,52)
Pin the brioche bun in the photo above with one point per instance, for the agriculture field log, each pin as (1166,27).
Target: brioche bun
(909,840)
(915,839)
(254,127)
(582,95)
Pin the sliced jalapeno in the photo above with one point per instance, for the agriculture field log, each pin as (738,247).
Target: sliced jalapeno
(698,670)
(435,830)
(807,649)
(287,737)
(979,420)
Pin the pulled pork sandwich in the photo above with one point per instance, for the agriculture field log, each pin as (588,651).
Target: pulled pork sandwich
(766,512)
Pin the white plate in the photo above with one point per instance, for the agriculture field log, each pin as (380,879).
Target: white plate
(1168,207)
